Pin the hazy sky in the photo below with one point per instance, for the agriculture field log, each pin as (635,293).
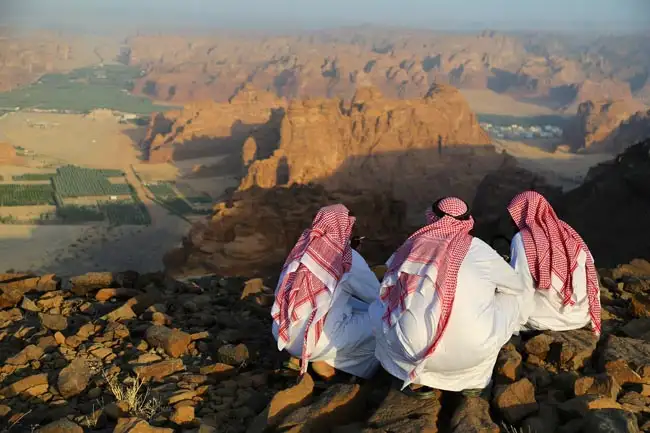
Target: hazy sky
(447,14)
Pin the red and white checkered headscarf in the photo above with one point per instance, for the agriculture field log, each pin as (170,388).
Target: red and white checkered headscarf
(552,248)
(311,274)
(436,251)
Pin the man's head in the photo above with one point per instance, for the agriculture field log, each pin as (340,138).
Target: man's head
(335,221)
(528,206)
(448,206)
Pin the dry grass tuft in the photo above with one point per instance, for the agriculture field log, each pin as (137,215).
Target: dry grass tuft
(133,392)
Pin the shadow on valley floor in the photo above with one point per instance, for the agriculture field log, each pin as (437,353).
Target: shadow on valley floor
(76,249)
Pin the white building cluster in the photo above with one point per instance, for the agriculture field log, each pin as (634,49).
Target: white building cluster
(518,132)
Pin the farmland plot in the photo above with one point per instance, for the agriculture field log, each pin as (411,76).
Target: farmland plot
(26,195)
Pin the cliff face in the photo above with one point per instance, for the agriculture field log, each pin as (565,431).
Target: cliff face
(379,144)
(597,120)
(386,159)
(209,128)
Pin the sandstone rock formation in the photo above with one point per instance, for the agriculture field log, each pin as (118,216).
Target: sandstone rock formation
(402,64)
(380,145)
(597,120)
(197,355)
(386,159)
(208,129)
(636,128)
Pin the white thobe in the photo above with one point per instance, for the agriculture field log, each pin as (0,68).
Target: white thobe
(347,342)
(549,311)
(491,303)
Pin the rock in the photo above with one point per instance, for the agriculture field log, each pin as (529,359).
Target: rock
(252,288)
(33,385)
(603,385)
(174,342)
(4,410)
(219,371)
(569,349)
(14,287)
(182,415)
(104,295)
(283,403)
(233,355)
(516,401)
(399,413)
(579,407)
(54,322)
(29,353)
(122,313)
(137,425)
(159,370)
(117,409)
(508,362)
(637,328)
(340,404)
(10,316)
(63,425)
(74,378)
(82,284)
(610,421)
(473,416)
(625,359)
(546,421)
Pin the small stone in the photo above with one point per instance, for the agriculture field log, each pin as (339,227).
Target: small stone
(32,386)
(220,371)
(4,410)
(579,407)
(104,295)
(159,370)
(63,425)
(174,342)
(74,379)
(233,355)
(29,353)
(54,322)
(508,362)
(603,385)
(610,420)
(29,305)
(94,393)
(116,409)
(122,313)
(182,415)
(137,425)
(283,403)
(516,401)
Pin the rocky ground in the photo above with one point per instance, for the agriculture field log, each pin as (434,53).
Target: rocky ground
(145,353)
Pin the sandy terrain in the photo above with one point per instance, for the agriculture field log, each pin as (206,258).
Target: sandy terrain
(75,139)
(566,170)
(74,249)
(485,101)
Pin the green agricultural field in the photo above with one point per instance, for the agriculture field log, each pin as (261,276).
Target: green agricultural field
(162,190)
(33,177)
(126,212)
(83,90)
(72,181)
(26,195)
(72,214)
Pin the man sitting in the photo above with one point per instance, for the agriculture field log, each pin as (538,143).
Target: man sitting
(553,259)
(448,303)
(321,304)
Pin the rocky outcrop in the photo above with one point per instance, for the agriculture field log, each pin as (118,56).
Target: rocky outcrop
(596,121)
(402,64)
(251,233)
(613,199)
(412,150)
(197,354)
(209,129)
(636,128)
(370,154)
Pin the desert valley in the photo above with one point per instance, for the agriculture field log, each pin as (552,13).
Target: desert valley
(152,184)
